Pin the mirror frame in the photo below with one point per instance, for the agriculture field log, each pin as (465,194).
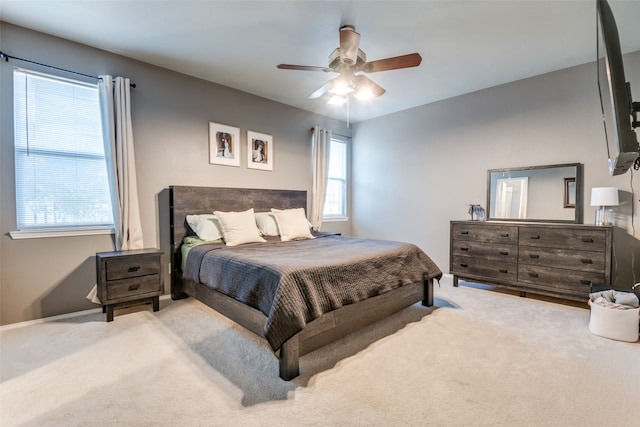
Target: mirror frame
(578,202)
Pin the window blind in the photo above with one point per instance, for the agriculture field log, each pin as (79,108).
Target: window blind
(60,168)
(336,192)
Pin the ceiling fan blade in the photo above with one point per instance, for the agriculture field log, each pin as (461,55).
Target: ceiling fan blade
(302,67)
(349,43)
(402,61)
(322,90)
(367,88)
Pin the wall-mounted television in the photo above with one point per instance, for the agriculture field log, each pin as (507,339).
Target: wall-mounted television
(618,109)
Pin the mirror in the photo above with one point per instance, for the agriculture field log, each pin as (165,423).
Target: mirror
(551,193)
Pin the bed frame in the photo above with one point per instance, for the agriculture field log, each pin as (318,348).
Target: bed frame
(330,327)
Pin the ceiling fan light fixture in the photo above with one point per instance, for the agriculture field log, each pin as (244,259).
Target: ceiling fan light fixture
(364,94)
(341,86)
(350,62)
(337,100)
(366,88)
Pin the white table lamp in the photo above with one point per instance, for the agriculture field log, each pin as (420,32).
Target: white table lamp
(603,197)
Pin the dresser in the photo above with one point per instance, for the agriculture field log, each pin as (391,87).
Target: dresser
(559,260)
(129,277)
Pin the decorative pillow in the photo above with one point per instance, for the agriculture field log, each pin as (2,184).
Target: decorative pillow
(293,224)
(206,226)
(239,227)
(267,224)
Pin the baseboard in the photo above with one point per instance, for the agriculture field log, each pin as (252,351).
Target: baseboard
(60,317)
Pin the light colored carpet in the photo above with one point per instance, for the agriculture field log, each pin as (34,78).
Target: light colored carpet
(480,358)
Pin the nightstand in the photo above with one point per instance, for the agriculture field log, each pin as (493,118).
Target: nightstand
(129,277)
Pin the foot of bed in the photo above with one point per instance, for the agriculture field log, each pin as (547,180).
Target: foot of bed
(176,295)
(290,359)
(428,293)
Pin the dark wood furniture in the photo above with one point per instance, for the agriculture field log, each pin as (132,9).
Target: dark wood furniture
(129,277)
(330,327)
(558,260)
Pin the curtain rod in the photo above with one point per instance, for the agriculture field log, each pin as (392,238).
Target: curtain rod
(333,133)
(6,58)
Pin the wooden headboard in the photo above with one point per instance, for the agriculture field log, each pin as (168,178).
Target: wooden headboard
(185,201)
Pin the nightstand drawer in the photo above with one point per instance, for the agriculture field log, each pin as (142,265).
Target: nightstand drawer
(126,267)
(134,287)
(126,277)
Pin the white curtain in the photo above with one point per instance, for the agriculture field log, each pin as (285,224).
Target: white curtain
(115,109)
(321,143)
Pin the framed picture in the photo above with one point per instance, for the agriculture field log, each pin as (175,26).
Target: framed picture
(569,192)
(224,145)
(259,151)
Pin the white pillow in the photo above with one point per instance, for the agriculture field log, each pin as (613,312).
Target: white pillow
(267,224)
(239,227)
(292,223)
(206,226)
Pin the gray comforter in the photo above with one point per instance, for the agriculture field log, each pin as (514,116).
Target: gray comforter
(293,283)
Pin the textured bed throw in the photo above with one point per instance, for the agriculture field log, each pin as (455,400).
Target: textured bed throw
(293,283)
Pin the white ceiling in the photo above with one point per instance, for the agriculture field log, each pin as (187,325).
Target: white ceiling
(465,45)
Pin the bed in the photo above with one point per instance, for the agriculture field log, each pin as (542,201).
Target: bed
(291,330)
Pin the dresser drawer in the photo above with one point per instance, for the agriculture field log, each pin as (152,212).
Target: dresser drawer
(134,288)
(577,283)
(562,258)
(585,240)
(492,270)
(580,293)
(126,267)
(485,233)
(489,251)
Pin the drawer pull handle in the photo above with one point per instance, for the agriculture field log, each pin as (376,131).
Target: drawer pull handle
(535,237)
(533,274)
(504,253)
(133,269)
(586,261)
(464,232)
(503,270)
(587,239)
(464,265)
(134,287)
(534,256)
(585,282)
(504,234)
(464,249)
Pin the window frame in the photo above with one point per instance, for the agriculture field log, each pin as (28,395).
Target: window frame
(58,229)
(344,216)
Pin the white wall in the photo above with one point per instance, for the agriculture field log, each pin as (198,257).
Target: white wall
(416,170)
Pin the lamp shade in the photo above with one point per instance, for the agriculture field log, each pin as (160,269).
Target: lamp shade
(604,196)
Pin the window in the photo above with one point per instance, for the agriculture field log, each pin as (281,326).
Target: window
(335,205)
(60,168)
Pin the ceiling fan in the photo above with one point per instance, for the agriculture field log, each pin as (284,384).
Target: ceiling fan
(350,62)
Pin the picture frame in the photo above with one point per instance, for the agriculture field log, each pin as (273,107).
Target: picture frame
(259,151)
(570,192)
(224,144)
